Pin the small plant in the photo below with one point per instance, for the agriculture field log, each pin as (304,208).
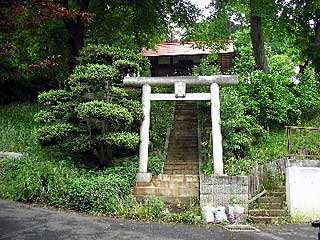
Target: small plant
(155,164)
(272,180)
(207,168)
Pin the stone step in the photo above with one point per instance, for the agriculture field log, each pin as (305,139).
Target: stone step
(271,205)
(183,151)
(190,124)
(150,190)
(264,220)
(185,127)
(177,192)
(175,185)
(186,106)
(180,167)
(173,172)
(187,111)
(185,118)
(181,162)
(180,178)
(184,138)
(267,212)
(276,194)
(183,141)
(179,144)
(270,200)
(172,200)
(280,189)
(184,132)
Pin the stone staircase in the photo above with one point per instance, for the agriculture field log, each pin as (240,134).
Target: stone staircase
(183,154)
(269,209)
(170,188)
(179,182)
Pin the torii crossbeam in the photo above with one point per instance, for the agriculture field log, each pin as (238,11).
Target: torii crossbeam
(180,83)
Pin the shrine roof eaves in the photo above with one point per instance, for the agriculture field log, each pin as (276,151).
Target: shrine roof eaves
(179,48)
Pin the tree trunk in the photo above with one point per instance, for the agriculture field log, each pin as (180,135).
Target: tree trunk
(75,28)
(257,39)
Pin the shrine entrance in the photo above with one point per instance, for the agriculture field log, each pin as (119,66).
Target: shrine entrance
(180,84)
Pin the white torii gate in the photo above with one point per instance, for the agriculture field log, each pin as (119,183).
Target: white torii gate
(180,84)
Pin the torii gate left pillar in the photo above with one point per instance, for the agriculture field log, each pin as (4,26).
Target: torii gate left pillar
(180,94)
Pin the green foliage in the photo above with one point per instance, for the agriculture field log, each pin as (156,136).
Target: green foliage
(16,124)
(207,167)
(134,107)
(240,131)
(275,100)
(65,185)
(100,194)
(206,67)
(56,133)
(121,139)
(307,94)
(92,78)
(94,115)
(155,164)
(272,180)
(243,63)
(104,54)
(104,111)
(161,119)
(55,97)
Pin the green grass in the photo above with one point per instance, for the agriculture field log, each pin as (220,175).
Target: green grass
(16,127)
(271,147)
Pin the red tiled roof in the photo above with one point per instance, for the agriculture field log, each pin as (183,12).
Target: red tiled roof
(178,48)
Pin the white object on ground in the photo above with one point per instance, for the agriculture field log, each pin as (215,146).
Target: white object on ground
(208,214)
(220,215)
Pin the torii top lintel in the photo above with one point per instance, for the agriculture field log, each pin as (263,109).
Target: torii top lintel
(222,80)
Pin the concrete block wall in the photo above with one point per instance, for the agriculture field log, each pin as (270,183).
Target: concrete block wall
(223,190)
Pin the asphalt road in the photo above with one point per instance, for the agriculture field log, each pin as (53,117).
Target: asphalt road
(20,221)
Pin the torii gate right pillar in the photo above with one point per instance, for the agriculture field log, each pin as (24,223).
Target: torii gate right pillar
(216,130)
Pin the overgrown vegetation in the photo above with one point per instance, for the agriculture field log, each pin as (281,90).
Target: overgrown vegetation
(55,178)
(254,113)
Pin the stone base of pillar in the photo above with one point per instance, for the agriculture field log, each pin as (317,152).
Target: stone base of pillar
(143,177)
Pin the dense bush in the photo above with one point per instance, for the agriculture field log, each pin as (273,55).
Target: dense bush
(94,115)
(63,184)
(274,99)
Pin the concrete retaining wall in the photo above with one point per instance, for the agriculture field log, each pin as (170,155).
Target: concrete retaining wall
(223,190)
(302,187)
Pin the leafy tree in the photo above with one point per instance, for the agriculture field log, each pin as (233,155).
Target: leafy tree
(301,19)
(94,115)
(254,12)
(32,51)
